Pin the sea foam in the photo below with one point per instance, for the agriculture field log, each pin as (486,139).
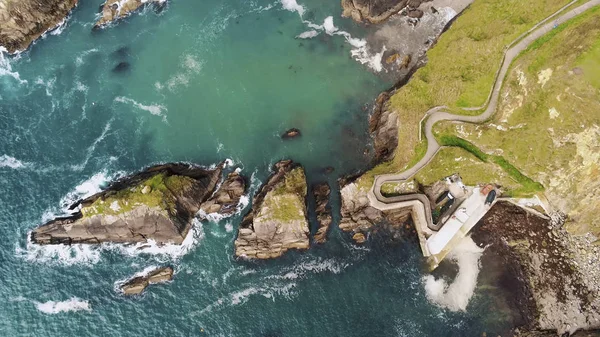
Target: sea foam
(154,109)
(72,304)
(456,296)
(5,67)
(11,162)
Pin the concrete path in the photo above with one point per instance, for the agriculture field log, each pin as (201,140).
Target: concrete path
(437,114)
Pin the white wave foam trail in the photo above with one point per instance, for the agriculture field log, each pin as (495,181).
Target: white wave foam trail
(5,67)
(11,162)
(293,6)
(72,304)
(309,34)
(456,296)
(154,109)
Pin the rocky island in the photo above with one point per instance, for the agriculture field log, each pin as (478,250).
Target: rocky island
(22,22)
(278,220)
(138,284)
(156,204)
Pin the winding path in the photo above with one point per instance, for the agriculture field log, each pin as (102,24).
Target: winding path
(437,114)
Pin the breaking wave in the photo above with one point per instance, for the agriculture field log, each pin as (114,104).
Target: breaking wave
(456,295)
(72,304)
(11,162)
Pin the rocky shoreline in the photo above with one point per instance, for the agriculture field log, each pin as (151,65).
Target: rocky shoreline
(22,22)
(156,204)
(114,10)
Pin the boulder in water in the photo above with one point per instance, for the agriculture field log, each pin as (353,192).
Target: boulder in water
(291,133)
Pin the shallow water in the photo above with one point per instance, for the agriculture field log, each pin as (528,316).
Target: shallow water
(199,81)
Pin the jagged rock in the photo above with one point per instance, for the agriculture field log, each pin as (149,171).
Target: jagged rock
(383,126)
(278,219)
(291,133)
(323,210)
(137,284)
(23,21)
(123,213)
(226,199)
(113,10)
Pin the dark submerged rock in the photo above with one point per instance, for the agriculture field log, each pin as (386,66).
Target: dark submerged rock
(291,133)
(121,67)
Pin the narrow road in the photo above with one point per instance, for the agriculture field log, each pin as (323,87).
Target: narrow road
(437,114)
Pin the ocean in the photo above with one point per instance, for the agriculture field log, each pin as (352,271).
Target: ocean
(201,82)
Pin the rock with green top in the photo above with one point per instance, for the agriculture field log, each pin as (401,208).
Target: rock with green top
(278,219)
(156,204)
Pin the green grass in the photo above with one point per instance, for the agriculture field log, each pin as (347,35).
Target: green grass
(528,186)
(286,202)
(462,66)
(161,196)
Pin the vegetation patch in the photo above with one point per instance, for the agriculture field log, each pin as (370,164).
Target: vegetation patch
(154,192)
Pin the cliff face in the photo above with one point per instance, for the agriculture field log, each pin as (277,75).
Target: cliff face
(278,219)
(157,204)
(23,21)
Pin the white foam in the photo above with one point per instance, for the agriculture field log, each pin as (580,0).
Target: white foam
(456,296)
(58,29)
(154,109)
(49,85)
(72,304)
(328,25)
(228,227)
(5,67)
(86,189)
(309,34)
(11,162)
(92,148)
(293,6)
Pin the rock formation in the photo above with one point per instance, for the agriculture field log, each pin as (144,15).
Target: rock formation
(323,210)
(156,204)
(561,276)
(360,219)
(227,197)
(114,10)
(376,11)
(278,219)
(23,21)
(137,284)
(383,126)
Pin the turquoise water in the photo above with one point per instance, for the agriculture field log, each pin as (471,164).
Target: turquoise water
(203,81)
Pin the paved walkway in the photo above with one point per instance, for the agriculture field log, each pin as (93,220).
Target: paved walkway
(437,114)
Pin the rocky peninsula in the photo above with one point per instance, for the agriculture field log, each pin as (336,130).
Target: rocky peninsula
(156,204)
(278,220)
(22,22)
(138,284)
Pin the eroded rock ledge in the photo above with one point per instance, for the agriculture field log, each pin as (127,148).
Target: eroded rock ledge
(156,204)
(138,284)
(24,21)
(278,219)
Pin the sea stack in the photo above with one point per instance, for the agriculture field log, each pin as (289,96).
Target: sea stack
(278,218)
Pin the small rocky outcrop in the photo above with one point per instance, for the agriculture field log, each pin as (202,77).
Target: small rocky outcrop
(114,10)
(559,272)
(323,211)
(291,133)
(278,219)
(24,21)
(138,284)
(156,204)
(383,126)
(227,198)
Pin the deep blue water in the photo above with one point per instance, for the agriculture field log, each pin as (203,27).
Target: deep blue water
(203,81)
